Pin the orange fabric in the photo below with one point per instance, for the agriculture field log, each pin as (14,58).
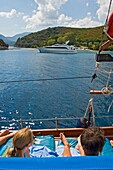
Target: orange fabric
(110,25)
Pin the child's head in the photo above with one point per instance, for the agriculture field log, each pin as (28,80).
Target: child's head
(91,141)
(21,141)
(23,138)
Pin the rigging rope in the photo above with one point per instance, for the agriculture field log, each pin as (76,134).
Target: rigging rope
(106,91)
(108,78)
(46,79)
(90,110)
(107,70)
(108,12)
(105,25)
(110,106)
(103,69)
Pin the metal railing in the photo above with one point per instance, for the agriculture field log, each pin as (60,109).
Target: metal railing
(56,119)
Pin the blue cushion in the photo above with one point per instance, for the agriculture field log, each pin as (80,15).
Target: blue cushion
(47,141)
(107,149)
(5,147)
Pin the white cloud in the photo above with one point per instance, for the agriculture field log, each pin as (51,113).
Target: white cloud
(48,14)
(10,14)
(64,19)
(50,4)
(87,4)
(84,23)
(103,9)
(34,11)
(20,14)
(88,13)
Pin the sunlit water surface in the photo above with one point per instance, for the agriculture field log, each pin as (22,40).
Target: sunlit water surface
(30,90)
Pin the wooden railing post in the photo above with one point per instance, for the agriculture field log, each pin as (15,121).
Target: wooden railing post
(56,122)
(21,126)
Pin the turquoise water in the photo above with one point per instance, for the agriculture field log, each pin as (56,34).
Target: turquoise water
(23,96)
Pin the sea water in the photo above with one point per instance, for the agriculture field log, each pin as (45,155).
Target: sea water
(37,85)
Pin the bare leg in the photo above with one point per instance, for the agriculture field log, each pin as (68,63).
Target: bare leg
(66,151)
(3,139)
(105,45)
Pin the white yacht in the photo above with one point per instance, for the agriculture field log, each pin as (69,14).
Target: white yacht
(59,49)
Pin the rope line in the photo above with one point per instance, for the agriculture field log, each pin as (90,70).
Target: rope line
(46,79)
(105,25)
(108,12)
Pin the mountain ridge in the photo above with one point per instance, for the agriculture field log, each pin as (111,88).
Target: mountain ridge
(79,37)
(10,40)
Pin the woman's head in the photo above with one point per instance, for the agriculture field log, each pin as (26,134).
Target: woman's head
(23,138)
(21,141)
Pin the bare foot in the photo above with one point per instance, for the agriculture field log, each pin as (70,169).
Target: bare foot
(111,142)
(63,138)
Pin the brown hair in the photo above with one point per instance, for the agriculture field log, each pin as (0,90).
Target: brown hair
(21,139)
(92,140)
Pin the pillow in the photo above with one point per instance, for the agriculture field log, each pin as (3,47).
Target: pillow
(44,146)
(107,149)
(47,141)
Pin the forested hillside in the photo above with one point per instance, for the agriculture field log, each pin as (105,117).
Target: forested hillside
(80,37)
(3,45)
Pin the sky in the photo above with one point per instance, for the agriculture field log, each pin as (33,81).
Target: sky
(18,16)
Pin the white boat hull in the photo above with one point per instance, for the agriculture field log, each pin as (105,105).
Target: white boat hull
(57,51)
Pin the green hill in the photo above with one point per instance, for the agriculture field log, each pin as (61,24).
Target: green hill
(87,37)
(3,45)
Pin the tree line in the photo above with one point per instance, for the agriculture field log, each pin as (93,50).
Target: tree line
(90,38)
(3,45)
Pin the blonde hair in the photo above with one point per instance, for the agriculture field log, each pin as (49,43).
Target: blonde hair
(21,139)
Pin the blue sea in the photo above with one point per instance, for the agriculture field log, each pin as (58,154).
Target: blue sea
(40,86)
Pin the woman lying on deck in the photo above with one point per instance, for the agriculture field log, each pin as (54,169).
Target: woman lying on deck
(90,142)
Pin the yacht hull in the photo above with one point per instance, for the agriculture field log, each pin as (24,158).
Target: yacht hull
(56,51)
